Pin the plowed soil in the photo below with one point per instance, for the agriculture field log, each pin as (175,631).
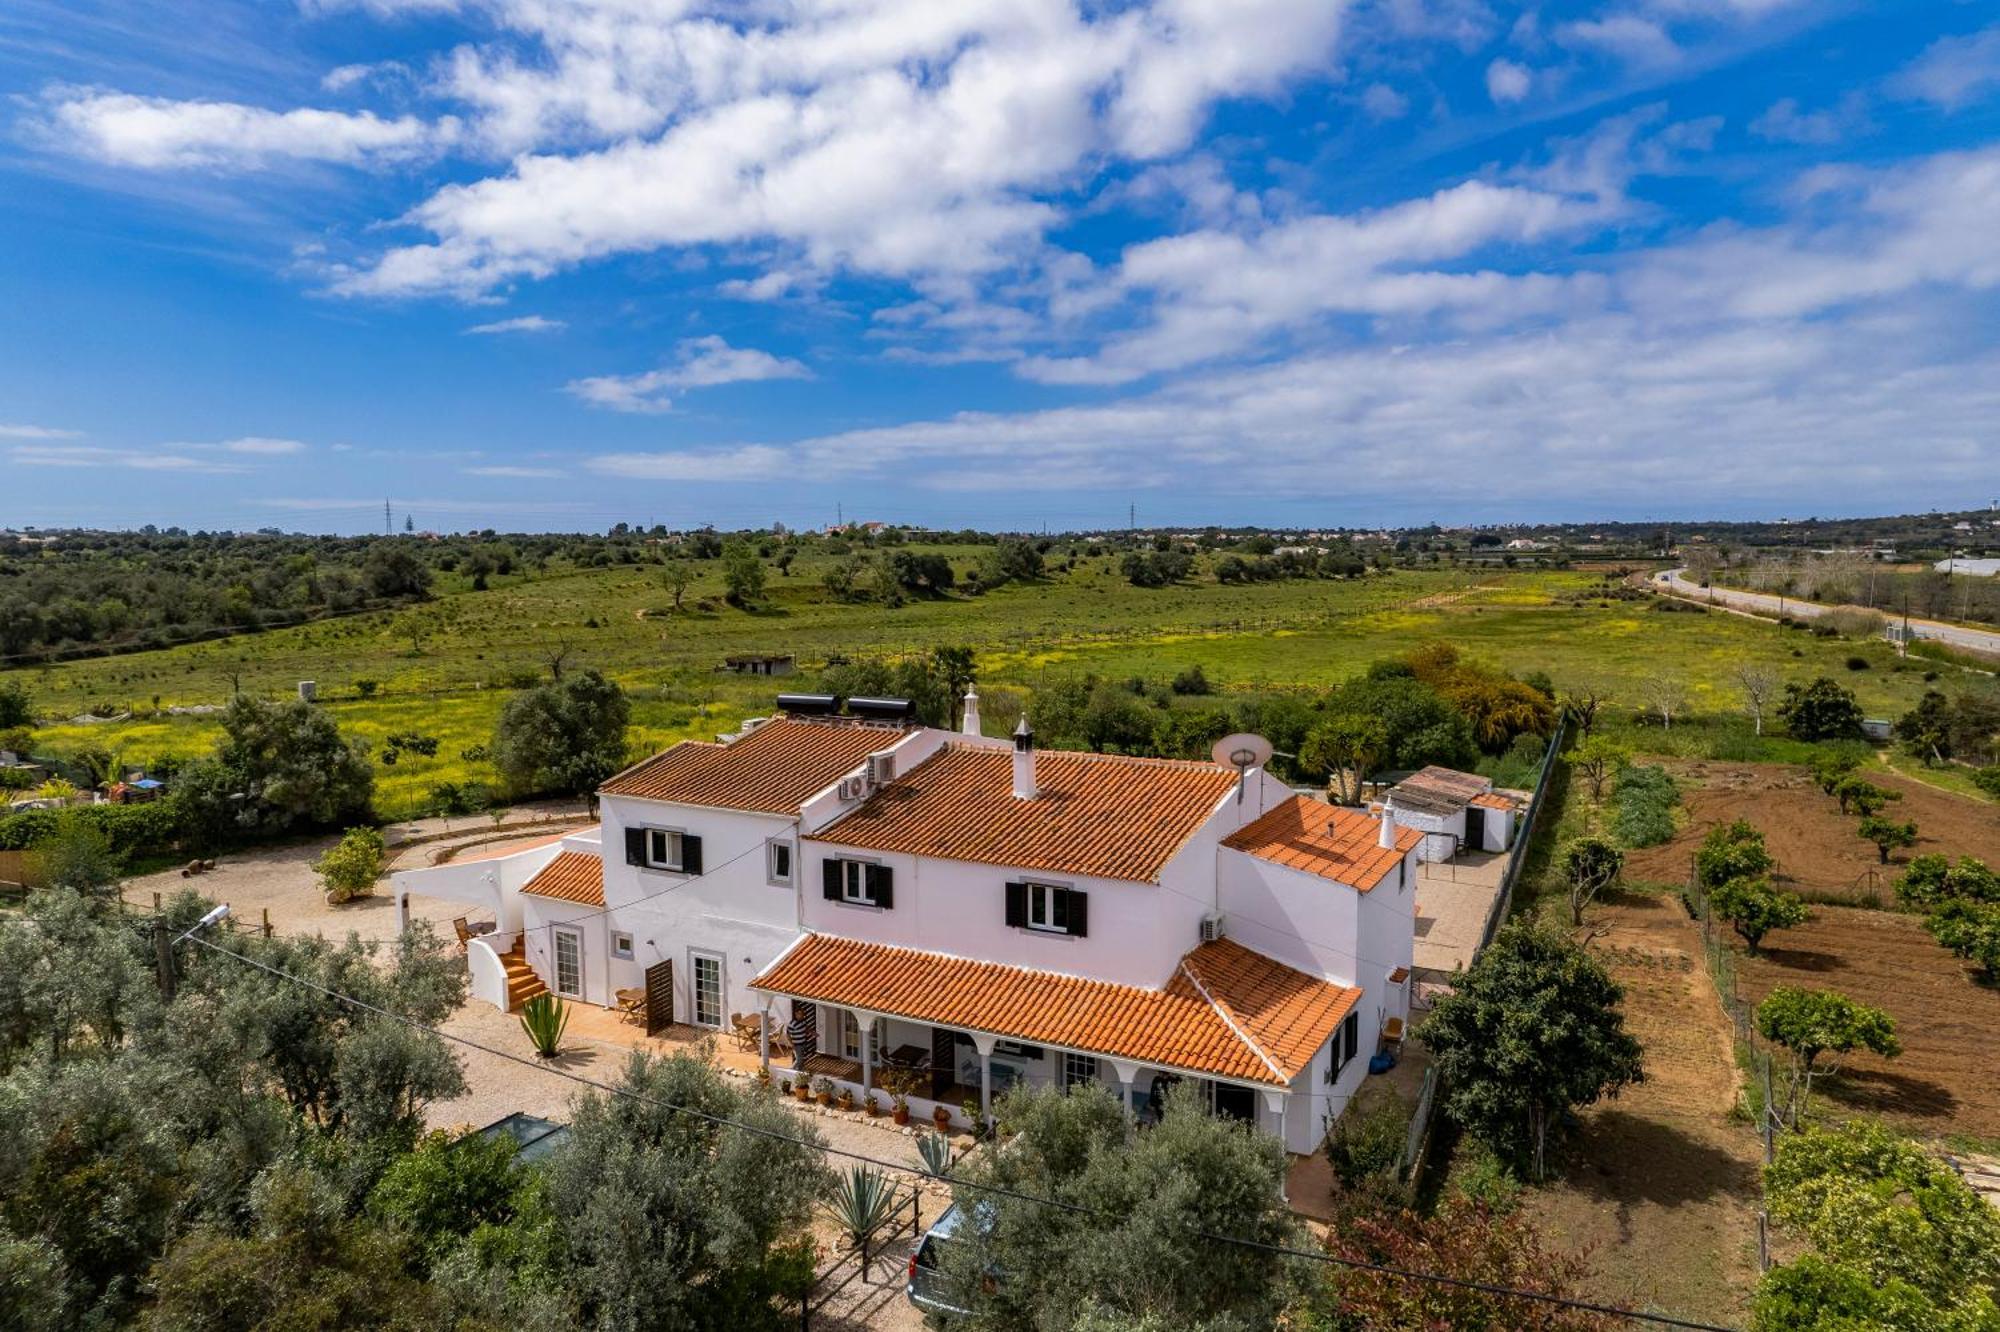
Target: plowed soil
(1814,844)
(1662,1182)
(1944,1081)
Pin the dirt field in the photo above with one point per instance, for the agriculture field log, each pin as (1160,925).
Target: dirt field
(1943,1082)
(1814,843)
(1661,1181)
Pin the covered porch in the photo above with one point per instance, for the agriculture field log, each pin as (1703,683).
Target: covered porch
(964,1071)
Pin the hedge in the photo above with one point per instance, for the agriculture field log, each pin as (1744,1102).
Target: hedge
(131,829)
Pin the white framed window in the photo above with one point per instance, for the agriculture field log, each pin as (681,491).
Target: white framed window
(663,848)
(621,945)
(1048,908)
(778,862)
(854,885)
(706,988)
(1078,1070)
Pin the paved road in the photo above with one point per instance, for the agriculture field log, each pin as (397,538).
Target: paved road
(1760,603)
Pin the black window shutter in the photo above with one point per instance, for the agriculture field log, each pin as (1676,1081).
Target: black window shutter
(1017,905)
(635,846)
(690,854)
(882,885)
(830,868)
(1079,912)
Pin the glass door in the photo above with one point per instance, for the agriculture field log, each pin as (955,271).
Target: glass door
(707,989)
(569,963)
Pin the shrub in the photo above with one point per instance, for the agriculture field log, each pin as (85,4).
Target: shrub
(1367,1142)
(1821,710)
(1857,663)
(1645,799)
(350,869)
(1988,780)
(1193,680)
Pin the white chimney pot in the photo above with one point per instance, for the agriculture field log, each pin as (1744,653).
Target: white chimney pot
(1388,838)
(970,726)
(1024,762)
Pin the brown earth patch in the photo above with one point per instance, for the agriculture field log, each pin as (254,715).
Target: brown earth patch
(1943,1082)
(1662,1181)
(1814,844)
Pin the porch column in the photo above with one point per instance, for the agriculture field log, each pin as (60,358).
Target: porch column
(1127,1074)
(402,910)
(984,1044)
(866,1021)
(764,1038)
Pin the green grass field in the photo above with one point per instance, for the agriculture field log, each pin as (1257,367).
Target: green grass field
(450,676)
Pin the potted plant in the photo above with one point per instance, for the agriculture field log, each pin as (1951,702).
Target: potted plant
(970,1105)
(899,1110)
(846,1098)
(872,1106)
(823,1090)
(804,1090)
(941,1116)
(784,1086)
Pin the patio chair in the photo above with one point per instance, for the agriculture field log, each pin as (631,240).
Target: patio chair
(747,1029)
(470,930)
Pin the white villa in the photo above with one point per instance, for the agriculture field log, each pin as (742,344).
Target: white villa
(971,913)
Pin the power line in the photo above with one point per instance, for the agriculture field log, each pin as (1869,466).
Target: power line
(825,1149)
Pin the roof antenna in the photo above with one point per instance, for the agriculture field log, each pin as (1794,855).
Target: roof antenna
(1242,751)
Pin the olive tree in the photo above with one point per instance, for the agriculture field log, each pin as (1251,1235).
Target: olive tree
(566,736)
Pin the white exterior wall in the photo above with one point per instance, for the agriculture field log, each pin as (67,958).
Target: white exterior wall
(732,909)
(1138,931)
(1445,831)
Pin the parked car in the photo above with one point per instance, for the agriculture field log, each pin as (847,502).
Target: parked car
(931,1286)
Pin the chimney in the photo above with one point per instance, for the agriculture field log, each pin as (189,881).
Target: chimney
(971,724)
(1388,838)
(1024,762)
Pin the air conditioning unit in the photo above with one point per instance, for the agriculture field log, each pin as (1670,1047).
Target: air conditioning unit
(853,788)
(881,769)
(1211,927)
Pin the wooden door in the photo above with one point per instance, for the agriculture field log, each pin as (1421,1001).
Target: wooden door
(659,997)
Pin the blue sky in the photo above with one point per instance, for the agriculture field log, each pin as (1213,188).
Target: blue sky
(560,263)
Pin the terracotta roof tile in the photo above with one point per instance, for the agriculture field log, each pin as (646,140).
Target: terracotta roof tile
(1258,1020)
(1327,840)
(1099,814)
(1494,800)
(573,876)
(773,770)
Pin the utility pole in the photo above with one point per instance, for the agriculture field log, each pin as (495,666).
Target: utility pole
(388,520)
(1132,517)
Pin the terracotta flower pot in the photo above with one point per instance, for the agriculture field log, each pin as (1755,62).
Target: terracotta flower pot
(942,1118)
(826,1098)
(901,1115)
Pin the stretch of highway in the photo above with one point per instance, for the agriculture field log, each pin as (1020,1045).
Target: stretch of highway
(1676,582)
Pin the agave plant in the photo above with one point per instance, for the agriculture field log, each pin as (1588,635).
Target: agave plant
(544,1018)
(862,1201)
(935,1148)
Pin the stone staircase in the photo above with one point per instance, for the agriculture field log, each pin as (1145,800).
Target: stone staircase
(522,982)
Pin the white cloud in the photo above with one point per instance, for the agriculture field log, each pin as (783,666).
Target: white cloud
(1953,72)
(160,133)
(748,463)
(523,473)
(698,363)
(257,445)
(1382,102)
(1784,122)
(521,324)
(1637,40)
(1216,293)
(1507,82)
(900,138)
(142,460)
(37,432)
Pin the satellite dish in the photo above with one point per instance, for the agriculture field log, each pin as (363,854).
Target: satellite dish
(1242,751)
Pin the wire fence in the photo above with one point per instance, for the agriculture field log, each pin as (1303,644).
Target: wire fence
(1531,821)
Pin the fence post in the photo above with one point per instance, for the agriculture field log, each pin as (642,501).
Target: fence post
(1763,1242)
(267,922)
(163,958)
